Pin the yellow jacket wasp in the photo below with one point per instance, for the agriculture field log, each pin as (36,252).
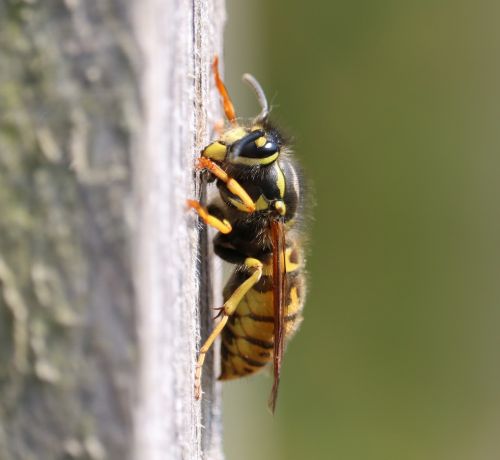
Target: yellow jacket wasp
(256,217)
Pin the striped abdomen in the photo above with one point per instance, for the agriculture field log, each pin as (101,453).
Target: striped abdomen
(248,338)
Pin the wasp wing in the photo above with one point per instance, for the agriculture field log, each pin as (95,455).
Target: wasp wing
(279,290)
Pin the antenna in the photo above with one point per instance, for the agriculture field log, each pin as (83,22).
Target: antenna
(259,92)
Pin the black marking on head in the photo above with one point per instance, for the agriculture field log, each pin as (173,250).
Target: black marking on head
(247,148)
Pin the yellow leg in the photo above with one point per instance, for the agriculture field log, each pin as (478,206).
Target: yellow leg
(227,310)
(232,185)
(222,225)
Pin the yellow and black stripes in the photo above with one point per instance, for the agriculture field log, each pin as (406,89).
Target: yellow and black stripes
(248,339)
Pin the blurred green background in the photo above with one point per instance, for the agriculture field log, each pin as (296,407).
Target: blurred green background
(395,107)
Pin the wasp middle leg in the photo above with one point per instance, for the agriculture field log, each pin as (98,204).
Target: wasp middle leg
(208,215)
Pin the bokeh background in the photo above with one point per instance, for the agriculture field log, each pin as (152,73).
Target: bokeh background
(395,110)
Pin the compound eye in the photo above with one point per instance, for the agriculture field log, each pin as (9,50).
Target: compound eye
(260,148)
(254,149)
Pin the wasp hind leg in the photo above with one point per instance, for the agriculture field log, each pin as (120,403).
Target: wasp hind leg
(254,266)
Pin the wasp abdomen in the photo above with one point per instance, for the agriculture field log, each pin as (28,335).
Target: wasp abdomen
(248,339)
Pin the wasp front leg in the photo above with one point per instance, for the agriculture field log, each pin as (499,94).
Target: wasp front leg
(232,184)
(254,267)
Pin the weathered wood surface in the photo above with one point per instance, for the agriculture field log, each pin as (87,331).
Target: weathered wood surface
(103,107)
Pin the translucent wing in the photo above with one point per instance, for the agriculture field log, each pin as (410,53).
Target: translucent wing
(279,290)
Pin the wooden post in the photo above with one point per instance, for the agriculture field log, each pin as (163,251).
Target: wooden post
(104,275)
(178,46)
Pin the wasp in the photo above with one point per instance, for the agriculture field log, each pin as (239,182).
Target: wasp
(257,215)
